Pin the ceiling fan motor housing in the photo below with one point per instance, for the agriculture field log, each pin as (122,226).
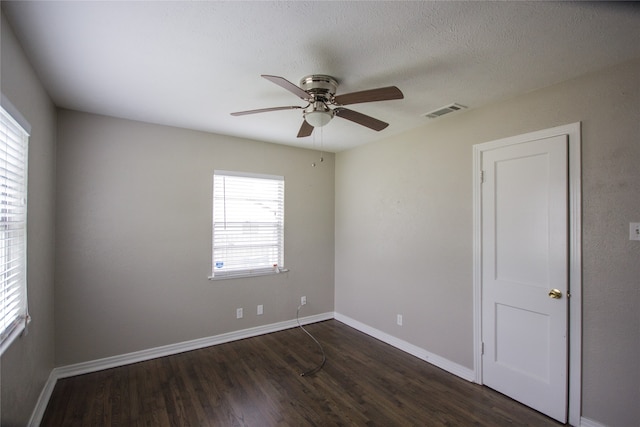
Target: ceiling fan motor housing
(320,86)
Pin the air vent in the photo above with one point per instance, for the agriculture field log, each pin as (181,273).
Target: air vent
(444,110)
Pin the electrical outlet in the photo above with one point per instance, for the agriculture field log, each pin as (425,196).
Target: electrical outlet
(399,320)
(238,313)
(634,231)
(260,310)
(303,300)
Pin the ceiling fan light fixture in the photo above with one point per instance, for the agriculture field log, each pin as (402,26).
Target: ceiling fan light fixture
(318,114)
(318,118)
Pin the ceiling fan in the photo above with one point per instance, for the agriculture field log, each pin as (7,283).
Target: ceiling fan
(319,91)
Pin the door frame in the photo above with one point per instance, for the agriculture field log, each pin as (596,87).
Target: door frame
(573,133)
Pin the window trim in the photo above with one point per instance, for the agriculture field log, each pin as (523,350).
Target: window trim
(249,272)
(18,325)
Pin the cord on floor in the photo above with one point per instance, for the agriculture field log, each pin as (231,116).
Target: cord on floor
(324,357)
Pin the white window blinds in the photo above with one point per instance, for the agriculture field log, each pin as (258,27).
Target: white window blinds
(248,224)
(13,229)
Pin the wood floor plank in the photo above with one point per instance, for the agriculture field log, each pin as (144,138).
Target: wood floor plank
(257,382)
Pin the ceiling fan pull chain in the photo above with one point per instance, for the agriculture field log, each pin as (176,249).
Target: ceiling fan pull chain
(321,144)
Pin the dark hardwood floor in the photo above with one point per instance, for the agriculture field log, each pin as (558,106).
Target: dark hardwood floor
(257,382)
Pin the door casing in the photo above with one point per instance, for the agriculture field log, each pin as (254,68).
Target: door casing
(575,255)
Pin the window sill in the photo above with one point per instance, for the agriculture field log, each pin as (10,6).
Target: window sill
(19,331)
(245,274)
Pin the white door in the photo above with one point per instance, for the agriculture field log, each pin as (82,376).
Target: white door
(525,262)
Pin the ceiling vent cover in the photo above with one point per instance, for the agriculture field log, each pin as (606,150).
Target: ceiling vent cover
(444,110)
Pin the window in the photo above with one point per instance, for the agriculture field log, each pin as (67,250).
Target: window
(248,224)
(13,229)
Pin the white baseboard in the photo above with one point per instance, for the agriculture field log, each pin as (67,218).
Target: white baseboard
(154,353)
(586,422)
(434,359)
(43,401)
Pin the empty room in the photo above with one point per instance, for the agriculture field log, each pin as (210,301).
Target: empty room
(320,213)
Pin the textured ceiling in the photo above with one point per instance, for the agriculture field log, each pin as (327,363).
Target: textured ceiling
(190,64)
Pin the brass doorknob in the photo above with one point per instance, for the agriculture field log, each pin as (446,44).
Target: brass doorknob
(555,294)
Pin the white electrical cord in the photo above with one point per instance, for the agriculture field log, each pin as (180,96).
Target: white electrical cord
(324,357)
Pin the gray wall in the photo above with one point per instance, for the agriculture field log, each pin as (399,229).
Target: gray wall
(404,230)
(27,363)
(134,236)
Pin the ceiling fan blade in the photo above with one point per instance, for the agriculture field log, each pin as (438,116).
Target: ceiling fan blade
(305,130)
(361,119)
(371,95)
(286,84)
(264,110)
